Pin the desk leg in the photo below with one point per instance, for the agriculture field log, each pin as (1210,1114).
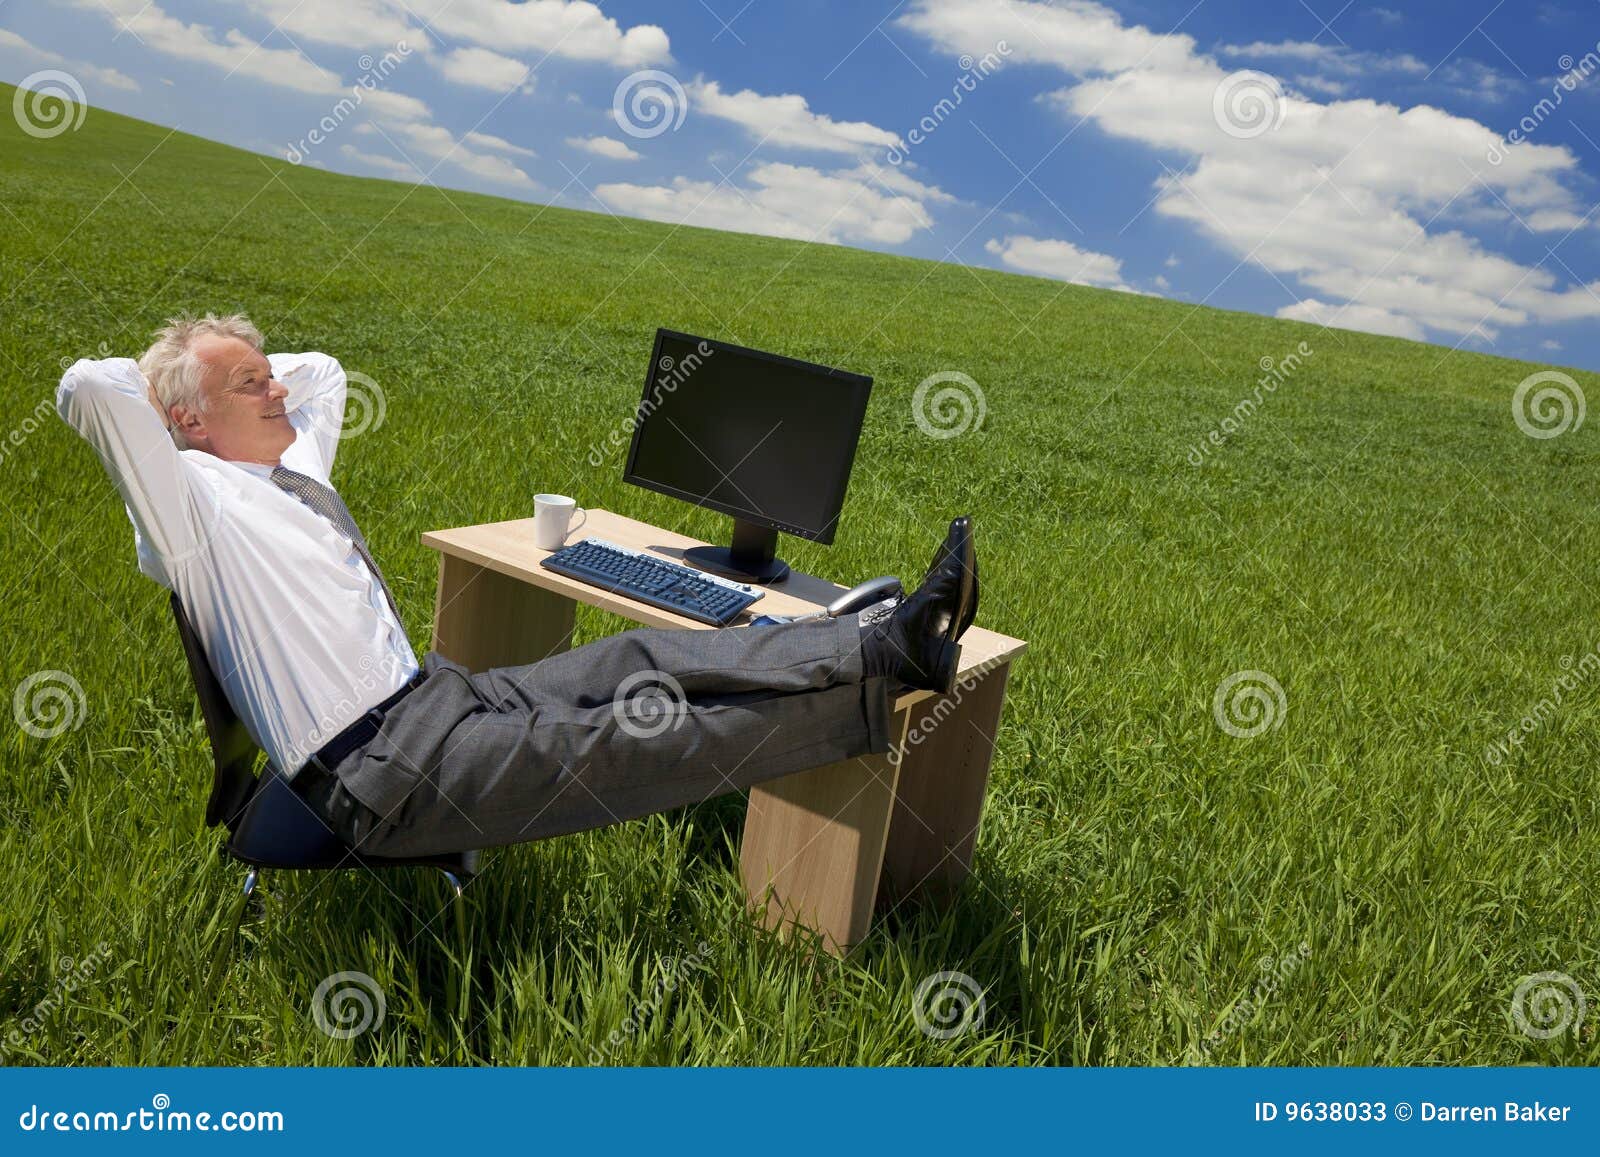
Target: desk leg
(943,779)
(813,845)
(484,619)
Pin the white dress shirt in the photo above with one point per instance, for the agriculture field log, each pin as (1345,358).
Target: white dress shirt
(293,621)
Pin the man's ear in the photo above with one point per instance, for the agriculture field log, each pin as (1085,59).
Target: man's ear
(189,422)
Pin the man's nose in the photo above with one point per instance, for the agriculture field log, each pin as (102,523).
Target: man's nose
(276,389)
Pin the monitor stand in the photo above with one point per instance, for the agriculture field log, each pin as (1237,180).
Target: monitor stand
(749,560)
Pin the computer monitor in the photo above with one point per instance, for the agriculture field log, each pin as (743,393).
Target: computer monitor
(767,439)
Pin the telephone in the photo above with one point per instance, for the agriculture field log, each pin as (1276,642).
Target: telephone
(856,598)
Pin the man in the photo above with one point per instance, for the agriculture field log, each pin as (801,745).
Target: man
(222,456)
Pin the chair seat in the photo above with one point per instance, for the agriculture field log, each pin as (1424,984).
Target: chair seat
(278,830)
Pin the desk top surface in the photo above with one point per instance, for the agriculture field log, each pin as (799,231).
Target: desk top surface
(508,547)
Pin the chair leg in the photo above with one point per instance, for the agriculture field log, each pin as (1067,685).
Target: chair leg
(224,948)
(455,881)
(460,994)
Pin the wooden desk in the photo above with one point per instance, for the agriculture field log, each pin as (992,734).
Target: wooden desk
(821,846)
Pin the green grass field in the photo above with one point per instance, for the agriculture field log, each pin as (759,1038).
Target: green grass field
(1378,536)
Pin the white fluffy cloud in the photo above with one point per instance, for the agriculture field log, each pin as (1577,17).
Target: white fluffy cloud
(482,68)
(83,70)
(418,143)
(376,24)
(404,120)
(1059,259)
(1340,195)
(232,51)
(401,170)
(782,201)
(1366,318)
(567,28)
(608,147)
(787,121)
(498,144)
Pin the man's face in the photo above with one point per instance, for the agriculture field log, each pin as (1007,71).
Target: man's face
(244,419)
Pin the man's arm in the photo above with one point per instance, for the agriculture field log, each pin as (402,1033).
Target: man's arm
(316,385)
(113,407)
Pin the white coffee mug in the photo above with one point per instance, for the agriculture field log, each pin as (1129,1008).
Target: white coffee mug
(552,520)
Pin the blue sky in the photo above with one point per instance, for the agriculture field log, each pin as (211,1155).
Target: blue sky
(1427,170)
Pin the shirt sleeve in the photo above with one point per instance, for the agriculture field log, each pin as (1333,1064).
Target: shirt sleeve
(107,402)
(316,385)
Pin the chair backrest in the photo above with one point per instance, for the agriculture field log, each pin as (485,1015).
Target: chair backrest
(232,750)
(268,824)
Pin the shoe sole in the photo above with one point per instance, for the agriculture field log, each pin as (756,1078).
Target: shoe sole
(949,664)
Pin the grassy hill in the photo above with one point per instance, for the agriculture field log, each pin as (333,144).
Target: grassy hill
(1375,533)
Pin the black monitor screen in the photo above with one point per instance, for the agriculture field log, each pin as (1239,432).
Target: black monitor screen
(764,438)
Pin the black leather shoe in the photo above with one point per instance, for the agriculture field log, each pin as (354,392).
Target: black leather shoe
(920,638)
(958,545)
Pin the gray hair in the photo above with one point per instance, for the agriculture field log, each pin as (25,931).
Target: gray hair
(171,367)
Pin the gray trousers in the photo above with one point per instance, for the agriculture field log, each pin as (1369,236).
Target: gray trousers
(628,725)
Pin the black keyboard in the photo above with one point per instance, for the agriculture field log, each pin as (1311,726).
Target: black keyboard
(706,598)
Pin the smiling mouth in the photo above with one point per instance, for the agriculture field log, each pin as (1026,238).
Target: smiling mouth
(274,414)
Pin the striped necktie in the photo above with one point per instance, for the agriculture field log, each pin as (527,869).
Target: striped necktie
(326,502)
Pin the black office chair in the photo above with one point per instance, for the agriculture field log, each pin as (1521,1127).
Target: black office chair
(269,826)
